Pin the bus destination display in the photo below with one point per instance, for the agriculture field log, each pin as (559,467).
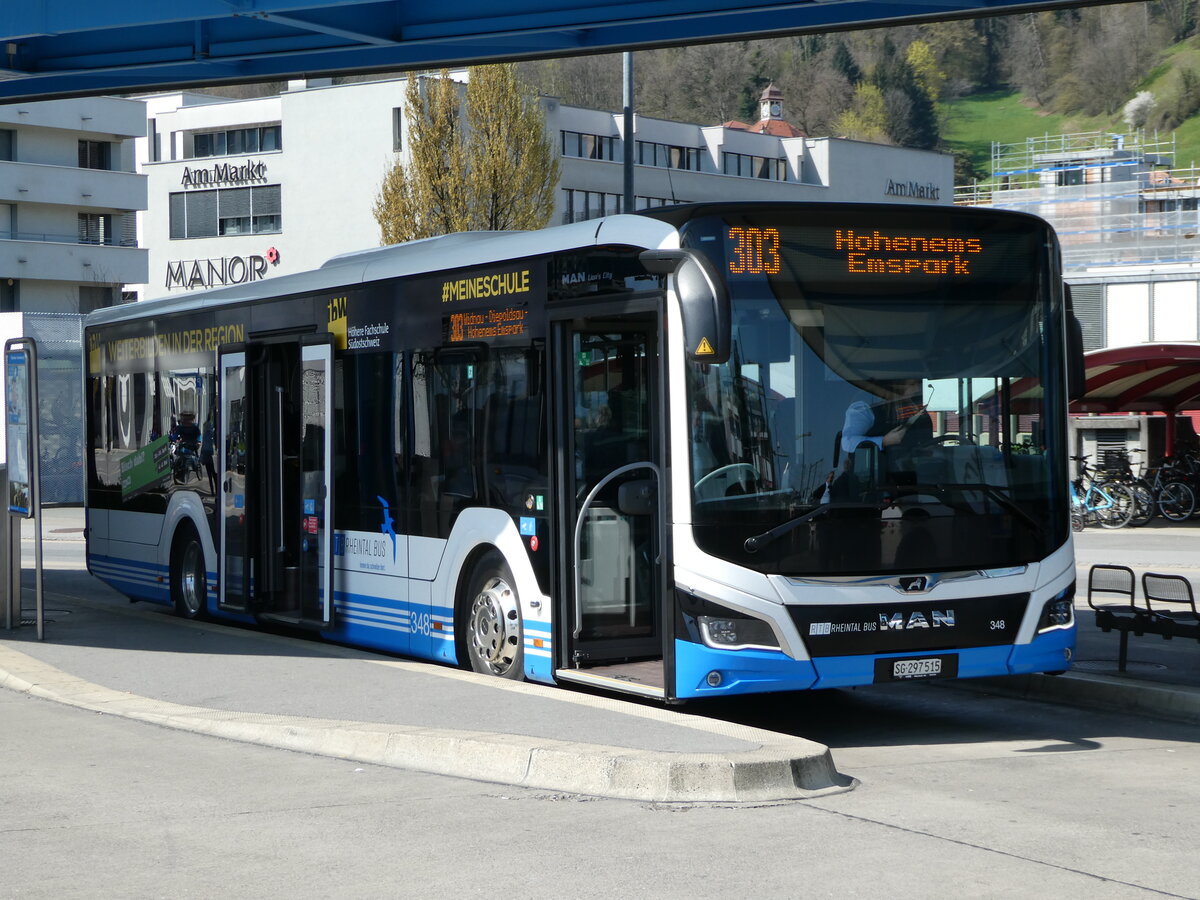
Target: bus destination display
(760,251)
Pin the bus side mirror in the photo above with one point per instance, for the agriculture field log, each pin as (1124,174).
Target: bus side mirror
(703,302)
(1076,368)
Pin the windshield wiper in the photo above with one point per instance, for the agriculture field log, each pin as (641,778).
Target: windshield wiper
(757,542)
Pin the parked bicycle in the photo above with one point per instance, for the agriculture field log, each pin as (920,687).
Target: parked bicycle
(1116,468)
(1107,505)
(1174,498)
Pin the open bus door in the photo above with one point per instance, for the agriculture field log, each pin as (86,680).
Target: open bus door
(275,496)
(610,425)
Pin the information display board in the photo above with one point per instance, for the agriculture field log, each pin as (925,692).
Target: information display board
(17,416)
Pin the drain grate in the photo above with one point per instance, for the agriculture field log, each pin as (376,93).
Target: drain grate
(1110,665)
(29,617)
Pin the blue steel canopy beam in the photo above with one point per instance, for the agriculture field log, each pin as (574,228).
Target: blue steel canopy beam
(74,47)
(308,25)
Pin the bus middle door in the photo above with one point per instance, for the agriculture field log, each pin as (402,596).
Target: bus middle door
(276,486)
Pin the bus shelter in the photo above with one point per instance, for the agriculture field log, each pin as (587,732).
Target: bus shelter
(1144,378)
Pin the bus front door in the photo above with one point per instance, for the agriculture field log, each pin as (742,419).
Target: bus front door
(275,497)
(611,419)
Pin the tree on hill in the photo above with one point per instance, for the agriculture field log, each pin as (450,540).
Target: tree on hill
(479,162)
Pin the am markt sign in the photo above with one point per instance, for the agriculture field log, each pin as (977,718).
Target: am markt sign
(224,173)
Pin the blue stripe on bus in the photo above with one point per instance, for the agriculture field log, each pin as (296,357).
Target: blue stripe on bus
(539,661)
(142,580)
(752,671)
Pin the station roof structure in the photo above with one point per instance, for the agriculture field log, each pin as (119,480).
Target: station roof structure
(1141,378)
(60,48)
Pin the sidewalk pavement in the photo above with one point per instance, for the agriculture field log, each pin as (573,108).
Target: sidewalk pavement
(105,654)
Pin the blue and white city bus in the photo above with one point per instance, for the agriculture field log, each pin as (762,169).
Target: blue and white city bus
(622,452)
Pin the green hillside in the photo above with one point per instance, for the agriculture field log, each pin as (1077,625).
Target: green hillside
(972,123)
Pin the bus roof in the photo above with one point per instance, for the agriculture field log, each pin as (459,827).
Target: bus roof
(450,251)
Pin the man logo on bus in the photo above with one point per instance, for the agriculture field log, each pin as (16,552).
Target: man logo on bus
(937,618)
(915,585)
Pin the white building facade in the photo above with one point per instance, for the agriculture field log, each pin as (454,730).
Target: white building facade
(247,189)
(69,195)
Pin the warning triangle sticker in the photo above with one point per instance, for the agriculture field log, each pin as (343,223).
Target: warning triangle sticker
(705,348)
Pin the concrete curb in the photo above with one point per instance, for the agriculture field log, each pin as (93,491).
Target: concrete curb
(1177,702)
(784,769)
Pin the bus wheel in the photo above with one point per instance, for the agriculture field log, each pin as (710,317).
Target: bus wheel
(189,581)
(495,644)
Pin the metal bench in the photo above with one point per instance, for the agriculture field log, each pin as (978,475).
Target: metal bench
(1179,618)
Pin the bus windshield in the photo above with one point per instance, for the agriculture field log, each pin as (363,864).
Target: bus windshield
(894,397)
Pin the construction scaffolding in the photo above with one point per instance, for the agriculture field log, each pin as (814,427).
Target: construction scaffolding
(1114,199)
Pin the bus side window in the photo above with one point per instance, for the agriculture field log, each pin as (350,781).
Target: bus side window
(445,425)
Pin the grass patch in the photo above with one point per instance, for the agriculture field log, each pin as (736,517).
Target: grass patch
(972,123)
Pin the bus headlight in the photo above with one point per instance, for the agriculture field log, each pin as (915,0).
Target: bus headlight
(1059,611)
(729,633)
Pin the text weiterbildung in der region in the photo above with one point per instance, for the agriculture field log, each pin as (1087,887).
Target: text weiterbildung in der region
(495,322)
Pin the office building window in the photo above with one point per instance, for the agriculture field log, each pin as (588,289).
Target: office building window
(397,129)
(229,211)
(95,228)
(668,156)
(8,144)
(746,166)
(655,202)
(234,141)
(93,297)
(582,205)
(589,146)
(578,206)
(95,155)
(9,295)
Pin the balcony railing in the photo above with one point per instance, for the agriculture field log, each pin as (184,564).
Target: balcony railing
(63,239)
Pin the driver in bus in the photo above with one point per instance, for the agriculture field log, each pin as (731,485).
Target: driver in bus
(897,419)
(896,424)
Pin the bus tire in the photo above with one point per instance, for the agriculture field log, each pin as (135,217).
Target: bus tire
(189,579)
(490,614)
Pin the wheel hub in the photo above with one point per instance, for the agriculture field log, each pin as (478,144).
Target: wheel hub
(494,629)
(192,580)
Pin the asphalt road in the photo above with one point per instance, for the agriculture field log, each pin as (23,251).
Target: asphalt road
(960,793)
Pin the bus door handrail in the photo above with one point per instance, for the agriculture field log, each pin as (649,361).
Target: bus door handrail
(282,542)
(628,467)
